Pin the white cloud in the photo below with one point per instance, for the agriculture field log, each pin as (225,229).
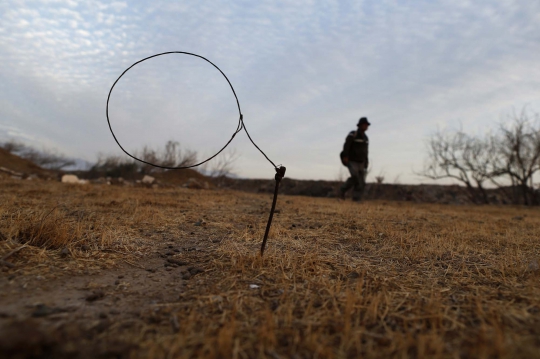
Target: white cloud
(82,33)
(118,5)
(304,71)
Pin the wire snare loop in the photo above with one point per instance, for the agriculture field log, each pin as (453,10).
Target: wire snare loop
(280,171)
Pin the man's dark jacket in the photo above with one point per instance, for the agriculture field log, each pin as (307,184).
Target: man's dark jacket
(356,147)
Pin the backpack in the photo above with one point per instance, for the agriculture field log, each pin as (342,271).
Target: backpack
(342,154)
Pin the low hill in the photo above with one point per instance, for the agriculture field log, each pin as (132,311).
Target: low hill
(15,164)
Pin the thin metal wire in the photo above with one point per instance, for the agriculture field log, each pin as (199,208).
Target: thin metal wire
(280,171)
(254,144)
(241,124)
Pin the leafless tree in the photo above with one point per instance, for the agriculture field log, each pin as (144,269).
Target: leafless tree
(467,159)
(12,146)
(123,166)
(114,166)
(508,159)
(46,158)
(171,156)
(518,149)
(479,158)
(222,165)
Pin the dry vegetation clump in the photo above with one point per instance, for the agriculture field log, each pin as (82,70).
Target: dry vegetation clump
(338,280)
(55,220)
(49,230)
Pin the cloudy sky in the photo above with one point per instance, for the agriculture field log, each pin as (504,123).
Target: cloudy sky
(304,72)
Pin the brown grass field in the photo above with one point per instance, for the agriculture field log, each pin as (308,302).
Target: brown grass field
(96,271)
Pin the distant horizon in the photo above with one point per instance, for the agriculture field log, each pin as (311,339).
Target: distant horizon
(83,165)
(342,170)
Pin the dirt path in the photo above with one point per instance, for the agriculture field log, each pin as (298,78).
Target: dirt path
(61,315)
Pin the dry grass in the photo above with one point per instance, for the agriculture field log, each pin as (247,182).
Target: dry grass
(338,280)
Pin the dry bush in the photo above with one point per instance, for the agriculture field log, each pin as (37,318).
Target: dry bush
(464,158)
(45,158)
(128,168)
(509,159)
(12,146)
(171,156)
(518,149)
(222,165)
(114,166)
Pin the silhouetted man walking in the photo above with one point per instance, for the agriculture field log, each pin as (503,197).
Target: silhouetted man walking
(355,157)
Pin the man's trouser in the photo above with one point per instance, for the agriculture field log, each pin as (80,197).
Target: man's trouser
(357,180)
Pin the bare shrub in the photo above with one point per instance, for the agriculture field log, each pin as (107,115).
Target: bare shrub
(222,165)
(46,158)
(12,146)
(170,156)
(518,155)
(459,156)
(49,159)
(114,166)
(509,156)
(126,167)
(173,156)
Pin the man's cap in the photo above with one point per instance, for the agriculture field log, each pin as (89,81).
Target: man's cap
(363,120)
